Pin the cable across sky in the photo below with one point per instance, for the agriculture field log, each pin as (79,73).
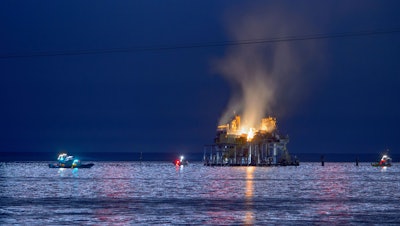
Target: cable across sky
(202,44)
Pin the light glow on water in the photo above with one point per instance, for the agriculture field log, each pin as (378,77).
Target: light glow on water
(121,193)
(249,215)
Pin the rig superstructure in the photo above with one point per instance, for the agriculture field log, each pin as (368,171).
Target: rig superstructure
(235,145)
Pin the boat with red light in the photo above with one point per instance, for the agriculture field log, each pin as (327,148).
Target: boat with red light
(181,161)
(384,162)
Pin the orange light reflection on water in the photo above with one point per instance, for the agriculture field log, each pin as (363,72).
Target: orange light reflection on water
(249,194)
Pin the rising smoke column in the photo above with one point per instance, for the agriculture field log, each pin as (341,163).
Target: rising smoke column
(266,78)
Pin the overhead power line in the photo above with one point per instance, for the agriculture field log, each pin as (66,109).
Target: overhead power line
(203,44)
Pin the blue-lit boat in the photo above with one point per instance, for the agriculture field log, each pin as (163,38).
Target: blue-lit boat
(68,161)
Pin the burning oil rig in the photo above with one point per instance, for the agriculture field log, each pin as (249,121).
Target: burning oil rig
(236,145)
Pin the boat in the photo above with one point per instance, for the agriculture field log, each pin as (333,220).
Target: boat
(69,161)
(180,161)
(385,161)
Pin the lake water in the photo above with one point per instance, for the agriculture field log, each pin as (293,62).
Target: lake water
(133,193)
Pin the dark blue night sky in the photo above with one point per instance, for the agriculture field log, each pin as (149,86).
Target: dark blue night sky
(172,100)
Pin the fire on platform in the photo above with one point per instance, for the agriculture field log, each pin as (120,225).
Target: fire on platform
(240,145)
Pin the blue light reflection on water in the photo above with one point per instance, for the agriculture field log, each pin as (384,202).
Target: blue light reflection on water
(161,193)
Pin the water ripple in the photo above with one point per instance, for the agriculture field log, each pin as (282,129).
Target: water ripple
(120,193)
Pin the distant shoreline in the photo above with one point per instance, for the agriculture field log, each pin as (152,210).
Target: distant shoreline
(191,157)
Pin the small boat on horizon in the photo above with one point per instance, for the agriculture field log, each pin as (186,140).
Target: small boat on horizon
(180,162)
(69,161)
(385,161)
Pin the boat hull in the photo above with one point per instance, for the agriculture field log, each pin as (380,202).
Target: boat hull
(181,164)
(380,165)
(71,167)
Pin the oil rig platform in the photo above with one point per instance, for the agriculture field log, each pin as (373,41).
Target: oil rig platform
(235,145)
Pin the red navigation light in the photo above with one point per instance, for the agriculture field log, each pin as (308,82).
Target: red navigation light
(177,162)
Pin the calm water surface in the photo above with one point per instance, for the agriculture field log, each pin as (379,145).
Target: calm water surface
(132,193)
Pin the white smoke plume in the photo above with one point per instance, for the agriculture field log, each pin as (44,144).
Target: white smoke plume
(269,78)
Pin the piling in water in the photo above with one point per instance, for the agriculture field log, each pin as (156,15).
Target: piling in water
(322,160)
